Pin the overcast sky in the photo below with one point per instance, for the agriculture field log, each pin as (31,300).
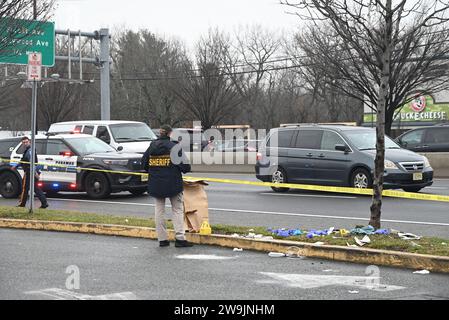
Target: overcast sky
(186,20)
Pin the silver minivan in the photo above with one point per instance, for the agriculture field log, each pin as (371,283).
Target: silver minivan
(125,136)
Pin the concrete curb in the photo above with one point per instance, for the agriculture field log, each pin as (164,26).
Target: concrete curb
(337,253)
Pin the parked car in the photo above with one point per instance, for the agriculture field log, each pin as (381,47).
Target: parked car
(7,145)
(126,136)
(339,156)
(427,139)
(238,145)
(191,139)
(63,154)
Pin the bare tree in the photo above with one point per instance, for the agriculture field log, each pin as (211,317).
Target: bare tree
(208,93)
(146,69)
(255,48)
(386,52)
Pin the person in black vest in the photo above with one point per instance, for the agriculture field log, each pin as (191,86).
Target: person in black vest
(165,163)
(25,162)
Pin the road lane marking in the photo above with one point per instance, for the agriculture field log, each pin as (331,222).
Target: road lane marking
(203,257)
(268,212)
(310,281)
(306,195)
(62,294)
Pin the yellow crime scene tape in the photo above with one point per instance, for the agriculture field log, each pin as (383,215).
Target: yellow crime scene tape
(334,189)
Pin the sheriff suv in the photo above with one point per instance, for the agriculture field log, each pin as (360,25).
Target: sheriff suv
(63,158)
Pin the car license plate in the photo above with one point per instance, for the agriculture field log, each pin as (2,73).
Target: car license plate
(417,176)
(144,177)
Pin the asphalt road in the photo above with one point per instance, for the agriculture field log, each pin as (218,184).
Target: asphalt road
(259,206)
(50,265)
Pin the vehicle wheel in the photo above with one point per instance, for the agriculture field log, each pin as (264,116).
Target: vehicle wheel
(361,178)
(9,185)
(138,192)
(97,186)
(412,189)
(279,176)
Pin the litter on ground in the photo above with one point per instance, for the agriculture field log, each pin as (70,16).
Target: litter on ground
(422,272)
(276,254)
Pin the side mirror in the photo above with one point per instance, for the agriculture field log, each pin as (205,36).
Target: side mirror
(119,148)
(342,147)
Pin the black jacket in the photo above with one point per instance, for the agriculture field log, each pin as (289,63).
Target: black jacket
(26,157)
(165,167)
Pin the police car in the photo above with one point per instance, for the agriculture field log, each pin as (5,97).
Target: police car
(63,158)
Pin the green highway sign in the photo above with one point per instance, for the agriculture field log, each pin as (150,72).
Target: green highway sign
(25,36)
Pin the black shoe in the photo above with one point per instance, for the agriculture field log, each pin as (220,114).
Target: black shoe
(183,244)
(164,243)
(44,206)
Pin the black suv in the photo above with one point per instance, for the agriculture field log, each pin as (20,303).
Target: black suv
(339,156)
(429,139)
(61,156)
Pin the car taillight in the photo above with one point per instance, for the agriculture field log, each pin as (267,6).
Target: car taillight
(259,156)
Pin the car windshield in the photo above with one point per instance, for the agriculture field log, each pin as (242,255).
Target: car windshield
(131,132)
(89,145)
(366,140)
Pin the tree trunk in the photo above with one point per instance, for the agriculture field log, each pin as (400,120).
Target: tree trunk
(380,122)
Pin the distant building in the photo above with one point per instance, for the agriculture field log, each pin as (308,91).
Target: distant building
(422,111)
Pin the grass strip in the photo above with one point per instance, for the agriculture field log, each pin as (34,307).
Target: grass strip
(426,245)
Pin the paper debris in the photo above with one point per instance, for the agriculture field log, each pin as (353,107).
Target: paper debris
(237,249)
(360,243)
(276,254)
(408,236)
(319,243)
(366,239)
(422,272)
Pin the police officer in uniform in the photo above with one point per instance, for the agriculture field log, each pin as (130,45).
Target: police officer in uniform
(25,162)
(165,166)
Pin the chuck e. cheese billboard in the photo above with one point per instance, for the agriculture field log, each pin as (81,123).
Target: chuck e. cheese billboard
(420,109)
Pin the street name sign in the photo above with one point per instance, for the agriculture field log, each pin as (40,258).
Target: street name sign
(19,37)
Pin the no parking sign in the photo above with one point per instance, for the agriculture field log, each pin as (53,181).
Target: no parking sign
(34,66)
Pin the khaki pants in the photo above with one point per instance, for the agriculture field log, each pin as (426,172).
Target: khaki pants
(178,217)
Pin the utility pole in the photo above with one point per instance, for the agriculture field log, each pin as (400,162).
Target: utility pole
(105,85)
(34,10)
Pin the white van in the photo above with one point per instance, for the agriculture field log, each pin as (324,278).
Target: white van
(125,136)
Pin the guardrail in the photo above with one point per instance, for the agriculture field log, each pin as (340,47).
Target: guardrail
(243,162)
